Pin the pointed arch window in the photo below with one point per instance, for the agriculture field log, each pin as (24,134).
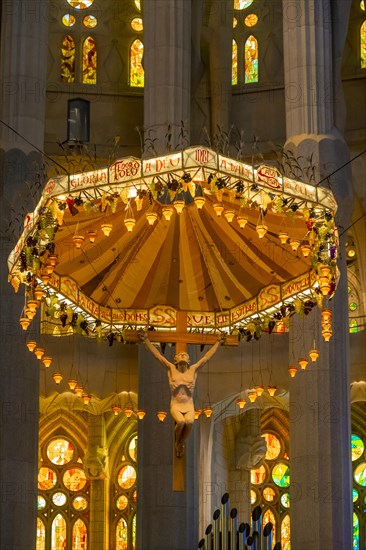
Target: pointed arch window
(68,59)
(234,64)
(41,535)
(363,45)
(285,533)
(58,533)
(79,535)
(268,516)
(89,61)
(136,68)
(251,60)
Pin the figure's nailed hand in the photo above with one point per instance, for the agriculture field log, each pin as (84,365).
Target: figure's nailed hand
(142,334)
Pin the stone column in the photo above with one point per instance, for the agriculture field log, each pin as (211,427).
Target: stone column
(96,468)
(22,80)
(165,519)
(167,66)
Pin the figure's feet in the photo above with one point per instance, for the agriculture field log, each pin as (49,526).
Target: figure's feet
(179,450)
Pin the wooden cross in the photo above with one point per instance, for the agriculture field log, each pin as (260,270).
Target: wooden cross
(181,338)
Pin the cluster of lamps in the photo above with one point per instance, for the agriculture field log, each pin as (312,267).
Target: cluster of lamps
(30,309)
(303,361)
(295,244)
(324,280)
(129,411)
(254,393)
(327,324)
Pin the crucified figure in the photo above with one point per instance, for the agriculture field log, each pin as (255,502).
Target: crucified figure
(182,379)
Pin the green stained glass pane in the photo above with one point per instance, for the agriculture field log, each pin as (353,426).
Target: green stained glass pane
(134,531)
(281,474)
(285,500)
(357,447)
(363,45)
(354,495)
(356,532)
(353,306)
(353,326)
(242,4)
(251,60)
(234,64)
(360,474)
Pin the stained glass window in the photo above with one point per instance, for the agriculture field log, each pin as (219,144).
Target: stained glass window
(234,64)
(127,477)
(269,494)
(59,499)
(268,516)
(251,20)
(80,4)
(235,22)
(281,474)
(90,21)
(258,476)
(357,447)
(353,306)
(285,533)
(68,20)
(251,60)
(122,502)
(121,535)
(242,4)
(58,533)
(253,497)
(138,4)
(80,503)
(354,495)
(68,59)
(273,446)
(79,535)
(132,448)
(74,479)
(60,451)
(41,535)
(89,61)
(136,69)
(47,479)
(363,45)
(362,5)
(285,500)
(41,503)
(360,474)
(356,532)
(353,326)
(137,24)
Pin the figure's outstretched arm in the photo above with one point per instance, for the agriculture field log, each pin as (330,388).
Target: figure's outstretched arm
(143,338)
(210,353)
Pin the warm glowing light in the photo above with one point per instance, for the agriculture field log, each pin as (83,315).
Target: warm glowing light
(294,243)
(218,209)
(32,304)
(50,269)
(313,354)
(199,201)
(161,415)
(324,285)
(261,229)
(116,409)
(79,390)
(325,270)
(45,278)
(57,377)
(283,236)
(229,215)
(130,224)
(272,390)
(31,345)
(39,353)
(86,398)
(106,228)
(92,236)
(241,402)
(78,240)
(242,221)
(53,259)
(259,390)
(326,315)
(197,414)
(47,361)
(151,217)
(72,383)
(303,362)
(207,411)
(141,414)
(306,249)
(327,334)
(128,410)
(24,322)
(168,211)
(39,293)
(29,313)
(252,395)
(292,370)
(179,205)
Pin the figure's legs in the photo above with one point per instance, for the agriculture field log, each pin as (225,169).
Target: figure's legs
(184,432)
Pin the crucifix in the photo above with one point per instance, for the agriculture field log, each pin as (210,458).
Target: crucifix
(182,379)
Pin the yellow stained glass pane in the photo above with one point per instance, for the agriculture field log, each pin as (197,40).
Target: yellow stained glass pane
(80,503)
(126,477)
(251,60)
(59,498)
(269,494)
(136,69)
(234,64)
(80,4)
(132,449)
(79,536)
(362,5)
(47,479)
(41,503)
(68,20)
(285,533)
(357,447)
(251,20)
(68,59)
(353,326)
(58,533)
(137,24)
(269,517)
(138,4)
(258,476)
(273,446)
(360,474)
(74,479)
(363,45)
(121,535)
(253,497)
(285,500)
(235,22)
(60,451)
(122,502)
(41,535)
(242,4)
(134,532)
(90,21)
(89,61)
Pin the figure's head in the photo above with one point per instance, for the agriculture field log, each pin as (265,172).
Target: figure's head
(181,357)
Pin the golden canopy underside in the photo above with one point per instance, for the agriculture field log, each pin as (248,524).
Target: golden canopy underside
(197,261)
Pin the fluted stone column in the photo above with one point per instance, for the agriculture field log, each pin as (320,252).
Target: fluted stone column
(166,520)
(321,506)
(22,80)
(167,66)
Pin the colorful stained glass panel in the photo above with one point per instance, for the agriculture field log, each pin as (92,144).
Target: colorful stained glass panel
(360,474)
(137,24)
(281,474)
(251,60)
(41,535)
(122,502)
(80,4)
(363,45)
(59,499)
(41,502)
(68,59)
(60,451)
(353,306)
(138,4)
(126,477)
(90,21)
(354,495)
(47,479)
(251,20)
(132,449)
(235,22)
(258,476)
(121,535)
(80,503)
(253,497)
(353,326)
(74,479)
(136,69)
(242,4)
(362,5)
(79,536)
(89,61)
(285,533)
(68,20)
(234,64)
(285,500)
(269,517)
(58,533)
(357,447)
(356,532)
(134,532)
(273,446)
(269,494)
